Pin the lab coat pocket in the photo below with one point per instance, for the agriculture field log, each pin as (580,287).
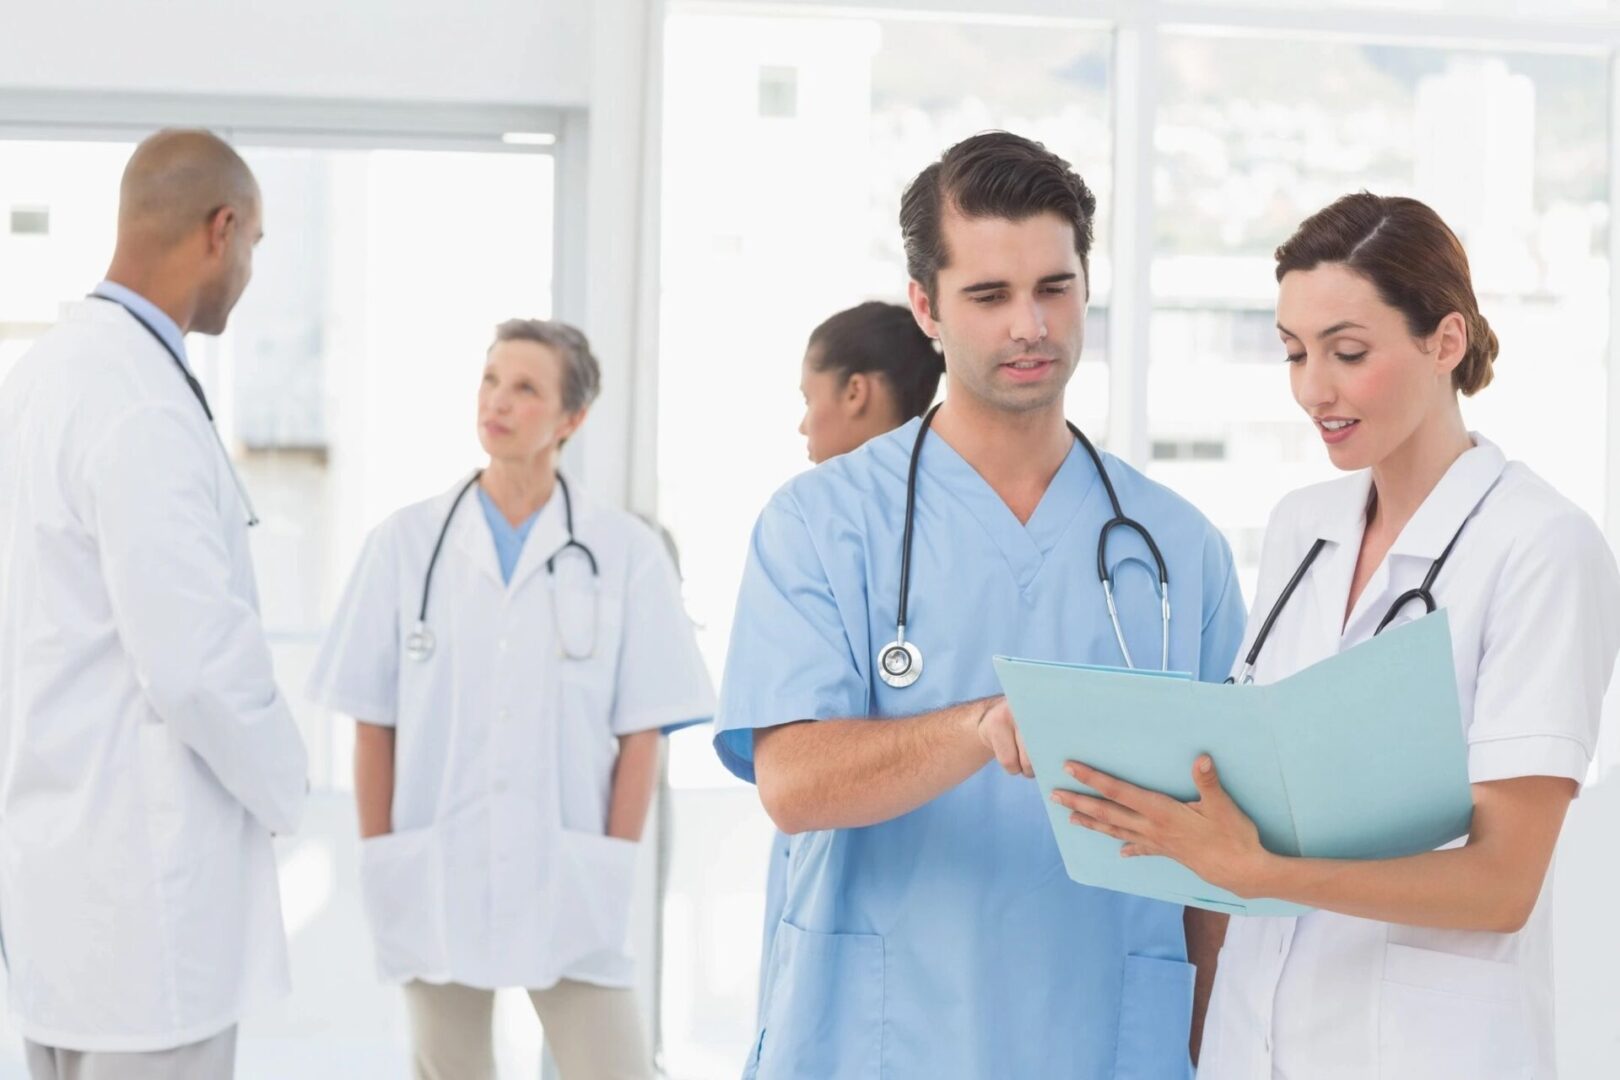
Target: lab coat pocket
(595,878)
(1155,1018)
(1443,1016)
(402,881)
(824,1016)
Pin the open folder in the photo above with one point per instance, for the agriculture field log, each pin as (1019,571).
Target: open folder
(1360,756)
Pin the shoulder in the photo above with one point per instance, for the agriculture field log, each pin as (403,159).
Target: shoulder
(1305,509)
(1542,525)
(1165,511)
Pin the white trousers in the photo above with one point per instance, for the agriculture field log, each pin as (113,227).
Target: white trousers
(593,1032)
(213,1058)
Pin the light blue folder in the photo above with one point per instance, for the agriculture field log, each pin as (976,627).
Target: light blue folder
(1360,756)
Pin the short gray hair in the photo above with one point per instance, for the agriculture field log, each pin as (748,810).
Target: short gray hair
(582,375)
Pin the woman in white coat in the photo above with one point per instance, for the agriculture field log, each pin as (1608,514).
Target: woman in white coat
(1437,965)
(511,652)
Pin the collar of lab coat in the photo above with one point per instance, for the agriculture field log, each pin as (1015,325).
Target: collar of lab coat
(472,537)
(1453,499)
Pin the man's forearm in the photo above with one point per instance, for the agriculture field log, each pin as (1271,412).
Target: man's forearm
(374,778)
(845,774)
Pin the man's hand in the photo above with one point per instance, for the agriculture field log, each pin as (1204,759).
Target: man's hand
(999,732)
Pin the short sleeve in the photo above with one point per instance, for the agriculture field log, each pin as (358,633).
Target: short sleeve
(1548,650)
(662,681)
(1223,611)
(790,657)
(357,669)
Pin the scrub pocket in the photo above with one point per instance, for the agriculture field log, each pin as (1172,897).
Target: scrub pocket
(824,1014)
(1155,1020)
(1448,1017)
(596,875)
(402,883)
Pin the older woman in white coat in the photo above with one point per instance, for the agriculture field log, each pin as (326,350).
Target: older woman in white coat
(511,651)
(1438,965)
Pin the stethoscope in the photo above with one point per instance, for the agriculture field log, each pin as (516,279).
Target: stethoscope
(900,662)
(202,399)
(420,643)
(1423,592)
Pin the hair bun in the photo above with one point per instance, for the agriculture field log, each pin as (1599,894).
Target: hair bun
(1477,368)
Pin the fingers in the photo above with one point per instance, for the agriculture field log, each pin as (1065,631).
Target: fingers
(1024,764)
(1116,790)
(1207,780)
(1100,811)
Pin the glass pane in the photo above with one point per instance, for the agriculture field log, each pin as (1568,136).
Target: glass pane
(788,141)
(1255,134)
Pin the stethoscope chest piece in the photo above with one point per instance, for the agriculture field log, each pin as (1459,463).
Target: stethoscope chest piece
(899,663)
(419,643)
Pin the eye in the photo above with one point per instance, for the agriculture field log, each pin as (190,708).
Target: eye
(489,379)
(987,298)
(1057,289)
(1350,358)
(527,388)
(1294,358)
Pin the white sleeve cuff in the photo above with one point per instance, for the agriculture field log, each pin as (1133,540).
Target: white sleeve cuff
(1528,755)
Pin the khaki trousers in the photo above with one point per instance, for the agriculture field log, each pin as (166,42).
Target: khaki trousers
(211,1059)
(593,1032)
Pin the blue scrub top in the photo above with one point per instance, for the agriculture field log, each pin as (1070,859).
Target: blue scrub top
(949,942)
(509,538)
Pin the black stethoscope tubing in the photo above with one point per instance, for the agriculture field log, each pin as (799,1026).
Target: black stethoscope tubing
(551,563)
(1424,592)
(1119,521)
(196,392)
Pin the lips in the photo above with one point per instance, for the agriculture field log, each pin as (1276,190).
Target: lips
(1027,368)
(1336,429)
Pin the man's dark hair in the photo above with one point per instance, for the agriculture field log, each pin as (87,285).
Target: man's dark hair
(884,339)
(995,174)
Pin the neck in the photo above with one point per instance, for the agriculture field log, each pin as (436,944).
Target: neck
(156,281)
(520,487)
(1017,453)
(1404,479)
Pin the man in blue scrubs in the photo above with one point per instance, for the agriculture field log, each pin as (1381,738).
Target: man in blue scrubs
(929,928)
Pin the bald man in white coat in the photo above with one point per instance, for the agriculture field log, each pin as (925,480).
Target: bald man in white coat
(146,756)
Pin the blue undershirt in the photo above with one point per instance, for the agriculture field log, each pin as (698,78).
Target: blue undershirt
(508,537)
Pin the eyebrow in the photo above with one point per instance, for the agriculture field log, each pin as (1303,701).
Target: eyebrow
(1336,328)
(1049,279)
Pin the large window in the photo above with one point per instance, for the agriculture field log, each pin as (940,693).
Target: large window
(1255,133)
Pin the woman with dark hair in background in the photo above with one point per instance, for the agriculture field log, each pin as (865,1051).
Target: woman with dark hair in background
(867,370)
(1437,965)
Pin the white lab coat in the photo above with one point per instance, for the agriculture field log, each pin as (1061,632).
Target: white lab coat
(145,754)
(498,871)
(1533,600)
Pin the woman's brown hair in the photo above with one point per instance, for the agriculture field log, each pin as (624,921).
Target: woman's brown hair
(1411,257)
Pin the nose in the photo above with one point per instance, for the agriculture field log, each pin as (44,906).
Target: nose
(1029,323)
(1313,383)
(804,424)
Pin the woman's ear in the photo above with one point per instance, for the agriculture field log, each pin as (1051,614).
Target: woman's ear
(1449,343)
(856,397)
(570,424)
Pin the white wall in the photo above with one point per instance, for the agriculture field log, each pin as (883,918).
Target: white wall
(483,51)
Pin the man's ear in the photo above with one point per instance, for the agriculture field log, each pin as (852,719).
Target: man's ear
(222,225)
(922,309)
